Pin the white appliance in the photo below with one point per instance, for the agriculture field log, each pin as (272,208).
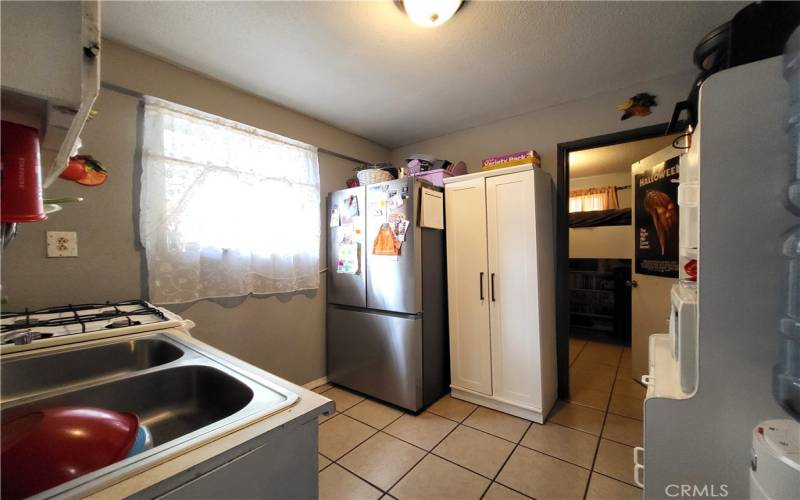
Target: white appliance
(501,287)
(775,460)
(710,378)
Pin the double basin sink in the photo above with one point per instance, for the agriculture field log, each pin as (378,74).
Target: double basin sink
(184,392)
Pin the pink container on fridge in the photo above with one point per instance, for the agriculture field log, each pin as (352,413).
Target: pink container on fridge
(437,177)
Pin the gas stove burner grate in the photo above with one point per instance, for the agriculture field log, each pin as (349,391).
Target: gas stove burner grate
(82,315)
(123,322)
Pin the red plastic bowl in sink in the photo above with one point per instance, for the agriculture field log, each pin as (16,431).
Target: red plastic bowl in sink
(43,449)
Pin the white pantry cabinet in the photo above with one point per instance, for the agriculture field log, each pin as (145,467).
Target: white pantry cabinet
(501,288)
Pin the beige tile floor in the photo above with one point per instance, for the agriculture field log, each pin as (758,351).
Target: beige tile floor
(457,450)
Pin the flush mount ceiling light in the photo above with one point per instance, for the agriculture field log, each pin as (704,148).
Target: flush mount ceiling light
(430,13)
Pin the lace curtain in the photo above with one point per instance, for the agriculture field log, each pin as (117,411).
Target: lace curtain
(586,200)
(226,209)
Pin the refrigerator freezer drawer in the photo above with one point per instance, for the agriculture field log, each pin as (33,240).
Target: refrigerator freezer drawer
(377,354)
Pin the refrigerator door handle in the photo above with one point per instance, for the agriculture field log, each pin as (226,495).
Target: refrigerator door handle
(492,278)
(481,286)
(638,475)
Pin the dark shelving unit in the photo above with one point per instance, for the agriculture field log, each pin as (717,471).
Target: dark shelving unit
(600,299)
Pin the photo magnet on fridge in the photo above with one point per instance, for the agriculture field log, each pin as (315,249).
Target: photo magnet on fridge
(334,216)
(349,210)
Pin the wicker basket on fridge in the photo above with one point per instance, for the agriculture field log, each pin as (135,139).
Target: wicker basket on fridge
(372,176)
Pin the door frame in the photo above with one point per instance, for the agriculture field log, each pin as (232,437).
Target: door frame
(562,232)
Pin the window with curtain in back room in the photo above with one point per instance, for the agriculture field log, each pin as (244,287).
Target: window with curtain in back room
(226,209)
(597,198)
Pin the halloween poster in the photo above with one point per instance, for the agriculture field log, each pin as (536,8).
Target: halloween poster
(656,224)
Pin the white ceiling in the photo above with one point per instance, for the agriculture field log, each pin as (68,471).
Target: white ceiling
(614,159)
(364,67)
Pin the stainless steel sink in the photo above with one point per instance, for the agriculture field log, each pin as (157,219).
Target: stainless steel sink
(185,394)
(47,371)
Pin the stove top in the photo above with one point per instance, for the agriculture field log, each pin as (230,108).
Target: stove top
(28,326)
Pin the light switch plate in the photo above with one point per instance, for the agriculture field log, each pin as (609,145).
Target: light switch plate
(62,244)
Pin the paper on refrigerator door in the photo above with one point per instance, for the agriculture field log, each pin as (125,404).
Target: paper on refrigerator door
(378,204)
(347,234)
(386,243)
(399,225)
(349,211)
(395,201)
(348,258)
(347,251)
(335,216)
(432,209)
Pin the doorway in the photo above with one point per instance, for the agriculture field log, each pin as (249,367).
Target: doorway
(595,246)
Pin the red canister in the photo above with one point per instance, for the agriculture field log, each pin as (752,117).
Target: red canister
(21,174)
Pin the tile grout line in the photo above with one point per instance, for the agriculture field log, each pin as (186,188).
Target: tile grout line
(431,450)
(462,422)
(617,480)
(516,445)
(602,427)
(378,431)
(585,343)
(599,436)
(426,452)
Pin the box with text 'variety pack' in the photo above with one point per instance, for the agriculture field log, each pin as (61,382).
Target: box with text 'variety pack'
(529,157)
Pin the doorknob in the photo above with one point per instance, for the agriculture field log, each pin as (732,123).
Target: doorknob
(631,283)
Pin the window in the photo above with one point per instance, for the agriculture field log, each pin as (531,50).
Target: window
(586,200)
(226,209)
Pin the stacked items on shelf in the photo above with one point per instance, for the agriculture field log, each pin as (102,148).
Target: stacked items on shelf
(522,158)
(589,281)
(591,300)
(433,169)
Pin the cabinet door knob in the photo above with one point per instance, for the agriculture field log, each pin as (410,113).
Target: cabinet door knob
(481,286)
(492,287)
(631,283)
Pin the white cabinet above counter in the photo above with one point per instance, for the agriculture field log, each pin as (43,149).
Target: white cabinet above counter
(51,73)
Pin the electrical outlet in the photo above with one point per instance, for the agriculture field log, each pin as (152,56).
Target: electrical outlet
(62,244)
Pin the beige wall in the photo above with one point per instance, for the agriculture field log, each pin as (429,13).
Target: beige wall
(542,130)
(284,334)
(604,242)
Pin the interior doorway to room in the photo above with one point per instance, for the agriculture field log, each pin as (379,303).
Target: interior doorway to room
(595,254)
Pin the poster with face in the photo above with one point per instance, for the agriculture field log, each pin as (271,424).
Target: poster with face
(656,224)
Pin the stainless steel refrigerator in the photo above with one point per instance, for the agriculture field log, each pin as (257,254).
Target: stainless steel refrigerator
(387,316)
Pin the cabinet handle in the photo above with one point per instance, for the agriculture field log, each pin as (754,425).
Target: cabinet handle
(492,278)
(481,286)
